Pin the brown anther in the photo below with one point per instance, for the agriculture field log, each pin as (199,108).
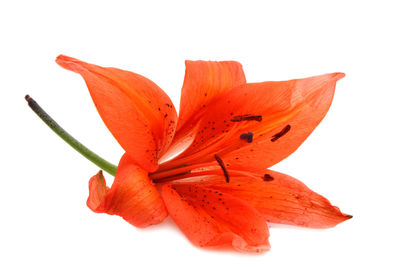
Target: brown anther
(222,165)
(268,177)
(281,133)
(247,117)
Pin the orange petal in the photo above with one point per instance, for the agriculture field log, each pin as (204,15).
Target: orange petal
(204,82)
(136,111)
(212,219)
(280,199)
(132,196)
(273,106)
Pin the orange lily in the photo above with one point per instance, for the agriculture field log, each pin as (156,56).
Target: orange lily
(219,190)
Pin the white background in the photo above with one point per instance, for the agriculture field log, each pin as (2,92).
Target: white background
(352,158)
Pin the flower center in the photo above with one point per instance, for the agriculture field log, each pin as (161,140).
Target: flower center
(187,171)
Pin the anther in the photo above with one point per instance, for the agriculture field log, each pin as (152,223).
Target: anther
(268,177)
(247,117)
(281,133)
(222,165)
(247,136)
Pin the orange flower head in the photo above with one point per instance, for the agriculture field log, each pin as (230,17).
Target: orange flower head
(218,189)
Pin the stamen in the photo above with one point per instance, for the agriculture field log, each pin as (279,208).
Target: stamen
(222,165)
(171,178)
(268,177)
(176,171)
(281,133)
(247,136)
(247,117)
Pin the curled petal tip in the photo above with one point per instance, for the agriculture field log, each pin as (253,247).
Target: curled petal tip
(69,63)
(348,216)
(64,57)
(61,58)
(339,75)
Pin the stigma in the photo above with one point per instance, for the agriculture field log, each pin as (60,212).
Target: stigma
(247,136)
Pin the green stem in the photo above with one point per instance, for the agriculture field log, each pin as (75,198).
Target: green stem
(86,152)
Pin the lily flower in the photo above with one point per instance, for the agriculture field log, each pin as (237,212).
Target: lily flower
(208,168)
